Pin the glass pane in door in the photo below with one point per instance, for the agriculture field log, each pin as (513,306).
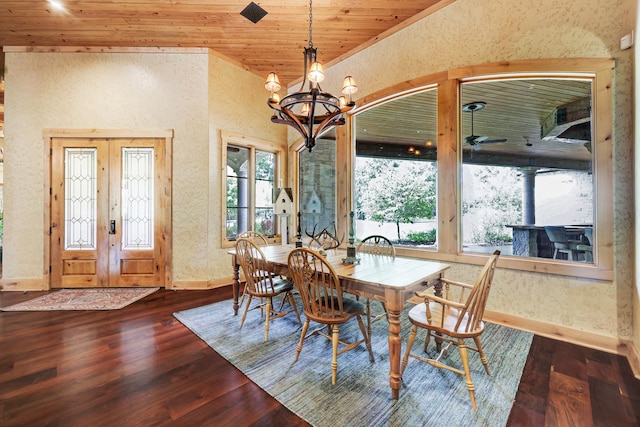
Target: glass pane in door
(137,198)
(80,204)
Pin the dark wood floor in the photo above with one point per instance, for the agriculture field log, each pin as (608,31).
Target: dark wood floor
(140,367)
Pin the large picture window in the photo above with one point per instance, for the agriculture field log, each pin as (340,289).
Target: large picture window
(396,170)
(527,183)
(508,156)
(251,170)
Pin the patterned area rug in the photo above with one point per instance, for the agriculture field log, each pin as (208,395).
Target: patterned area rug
(83,299)
(362,396)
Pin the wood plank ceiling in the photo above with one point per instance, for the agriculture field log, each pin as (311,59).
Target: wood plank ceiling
(514,115)
(276,43)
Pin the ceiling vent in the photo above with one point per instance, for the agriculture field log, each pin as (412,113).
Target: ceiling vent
(253,12)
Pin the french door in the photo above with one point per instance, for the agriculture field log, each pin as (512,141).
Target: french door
(108,207)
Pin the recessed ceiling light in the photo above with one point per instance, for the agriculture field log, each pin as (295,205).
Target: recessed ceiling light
(56,5)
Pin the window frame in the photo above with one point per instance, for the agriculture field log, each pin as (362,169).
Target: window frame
(405,94)
(253,145)
(449,249)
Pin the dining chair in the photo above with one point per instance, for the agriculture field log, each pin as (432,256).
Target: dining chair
(561,243)
(376,245)
(452,318)
(255,236)
(260,240)
(260,283)
(321,293)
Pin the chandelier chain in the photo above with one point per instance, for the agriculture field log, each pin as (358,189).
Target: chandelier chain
(310,112)
(310,23)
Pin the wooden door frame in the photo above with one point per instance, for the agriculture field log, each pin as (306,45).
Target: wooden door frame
(167,134)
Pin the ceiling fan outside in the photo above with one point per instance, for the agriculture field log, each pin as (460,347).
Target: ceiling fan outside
(474,140)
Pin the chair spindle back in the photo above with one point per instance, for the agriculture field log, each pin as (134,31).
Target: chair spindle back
(377,245)
(477,299)
(318,285)
(255,267)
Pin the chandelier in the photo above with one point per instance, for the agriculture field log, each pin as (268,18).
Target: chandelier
(310,111)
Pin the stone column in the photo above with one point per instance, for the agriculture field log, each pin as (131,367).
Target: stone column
(529,195)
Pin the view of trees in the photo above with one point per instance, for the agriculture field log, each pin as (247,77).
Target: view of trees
(492,198)
(404,191)
(397,191)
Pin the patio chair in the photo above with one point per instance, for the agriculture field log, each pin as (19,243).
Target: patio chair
(561,243)
(261,284)
(376,245)
(587,247)
(452,321)
(322,302)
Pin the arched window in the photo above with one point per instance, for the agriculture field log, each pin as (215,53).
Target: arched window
(537,153)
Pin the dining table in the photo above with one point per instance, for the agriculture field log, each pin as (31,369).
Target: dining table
(390,280)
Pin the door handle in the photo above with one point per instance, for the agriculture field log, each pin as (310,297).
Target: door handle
(112,227)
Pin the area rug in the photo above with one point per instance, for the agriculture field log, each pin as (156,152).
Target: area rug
(362,396)
(83,299)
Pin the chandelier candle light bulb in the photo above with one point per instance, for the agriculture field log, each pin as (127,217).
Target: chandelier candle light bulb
(310,112)
(273,85)
(316,73)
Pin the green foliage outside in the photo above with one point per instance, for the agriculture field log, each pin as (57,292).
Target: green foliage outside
(265,165)
(264,222)
(402,191)
(397,191)
(422,237)
(496,200)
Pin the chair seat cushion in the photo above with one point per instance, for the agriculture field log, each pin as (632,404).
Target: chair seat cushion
(282,285)
(350,306)
(279,286)
(418,315)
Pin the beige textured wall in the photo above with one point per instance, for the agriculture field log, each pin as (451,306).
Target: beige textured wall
(106,91)
(121,91)
(238,103)
(636,282)
(470,32)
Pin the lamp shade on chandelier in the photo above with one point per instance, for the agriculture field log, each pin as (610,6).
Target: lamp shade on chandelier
(310,111)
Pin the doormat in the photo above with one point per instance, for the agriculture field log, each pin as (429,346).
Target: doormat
(83,299)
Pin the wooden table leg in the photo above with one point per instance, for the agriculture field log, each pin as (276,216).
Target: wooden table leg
(235,285)
(394,304)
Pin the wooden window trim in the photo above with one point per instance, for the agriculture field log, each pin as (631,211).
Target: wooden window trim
(253,144)
(449,163)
